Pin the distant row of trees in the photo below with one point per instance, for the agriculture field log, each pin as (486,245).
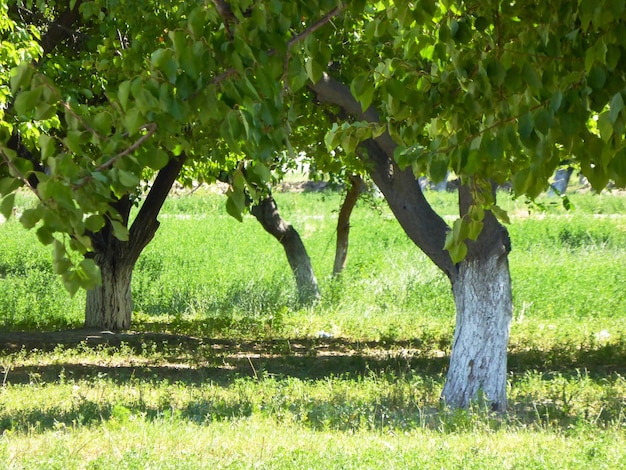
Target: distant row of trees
(97,100)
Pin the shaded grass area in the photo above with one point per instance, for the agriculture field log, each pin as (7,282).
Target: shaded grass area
(261,443)
(173,402)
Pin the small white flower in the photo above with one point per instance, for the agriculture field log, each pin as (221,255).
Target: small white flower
(603,335)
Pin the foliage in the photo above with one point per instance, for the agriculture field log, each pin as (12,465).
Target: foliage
(490,91)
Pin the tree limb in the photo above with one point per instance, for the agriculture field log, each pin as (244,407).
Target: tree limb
(400,187)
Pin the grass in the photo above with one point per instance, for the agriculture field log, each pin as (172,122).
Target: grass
(251,384)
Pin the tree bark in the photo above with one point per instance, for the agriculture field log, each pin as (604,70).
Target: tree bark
(266,212)
(561,181)
(484,306)
(483,299)
(109,306)
(343,223)
(481,283)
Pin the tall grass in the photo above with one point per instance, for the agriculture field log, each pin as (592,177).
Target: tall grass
(207,274)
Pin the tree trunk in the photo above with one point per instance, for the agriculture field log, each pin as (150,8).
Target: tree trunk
(481,283)
(266,212)
(343,223)
(109,306)
(484,306)
(482,295)
(561,181)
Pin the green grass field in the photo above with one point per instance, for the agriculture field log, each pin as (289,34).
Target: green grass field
(224,369)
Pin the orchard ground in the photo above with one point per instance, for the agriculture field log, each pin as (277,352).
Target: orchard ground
(222,367)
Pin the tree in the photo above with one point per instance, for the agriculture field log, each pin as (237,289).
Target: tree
(492,92)
(266,212)
(356,186)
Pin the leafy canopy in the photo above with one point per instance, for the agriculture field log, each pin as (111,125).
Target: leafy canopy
(493,91)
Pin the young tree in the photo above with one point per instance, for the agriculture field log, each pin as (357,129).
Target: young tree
(266,212)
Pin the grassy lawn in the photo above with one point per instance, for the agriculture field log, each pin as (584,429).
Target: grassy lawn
(224,369)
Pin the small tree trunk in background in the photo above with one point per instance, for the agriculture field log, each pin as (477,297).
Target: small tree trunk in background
(343,223)
(561,181)
(266,212)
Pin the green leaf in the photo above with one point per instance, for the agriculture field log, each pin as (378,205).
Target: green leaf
(234,209)
(123,93)
(21,76)
(314,70)
(119,230)
(362,89)
(476,212)
(160,57)
(616,106)
(158,159)
(617,169)
(474,227)
(6,205)
(496,73)
(196,23)
(27,101)
(596,78)
(94,222)
(262,172)
(30,217)
(605,126)
(525,125)
(556,100)
(500,214)
(44,234)
(438,170)
(530,76)
(456,248)
(460,229)
(543,121)
(8,185)
(47,146)
(133,121)
(73,142)
(128,179)
(89,273)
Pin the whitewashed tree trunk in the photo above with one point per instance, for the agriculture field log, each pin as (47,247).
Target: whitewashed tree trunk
(482,294)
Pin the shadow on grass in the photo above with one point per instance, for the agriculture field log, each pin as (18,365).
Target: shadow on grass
(126,358)
(191,360)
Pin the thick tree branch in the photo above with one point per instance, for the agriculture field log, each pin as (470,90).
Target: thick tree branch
(146,224)
(61,29)
(400,187)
